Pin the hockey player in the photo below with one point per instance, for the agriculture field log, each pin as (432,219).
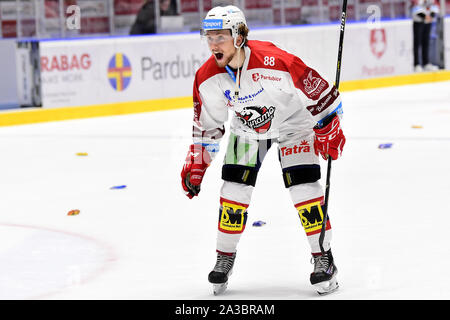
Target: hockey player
(274,97)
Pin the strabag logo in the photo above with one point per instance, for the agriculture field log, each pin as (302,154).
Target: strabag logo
(119,72)
(257,118)
(378,43)
(65,62)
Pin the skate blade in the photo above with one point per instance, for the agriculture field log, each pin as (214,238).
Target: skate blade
(219,288)
(327,287)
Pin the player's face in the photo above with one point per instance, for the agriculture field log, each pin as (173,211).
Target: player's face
(221,44)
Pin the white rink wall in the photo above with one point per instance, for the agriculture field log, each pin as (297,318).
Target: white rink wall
(80,72)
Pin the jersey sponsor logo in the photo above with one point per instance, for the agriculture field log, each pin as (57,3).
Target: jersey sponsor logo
(302,147)
(313,85)
(258,118)
(311,215)
(257,76)
(241,99)
(232,217)
(378,43)
(119,72)
(324,103)
(227,94)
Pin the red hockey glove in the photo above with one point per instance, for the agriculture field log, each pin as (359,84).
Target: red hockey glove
(329,140)
(197,160)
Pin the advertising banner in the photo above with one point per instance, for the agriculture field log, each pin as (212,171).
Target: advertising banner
(101,71)
(370,49)
(121,69)
(378,50)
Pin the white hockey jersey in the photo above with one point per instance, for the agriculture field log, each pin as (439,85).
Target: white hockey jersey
(279,94)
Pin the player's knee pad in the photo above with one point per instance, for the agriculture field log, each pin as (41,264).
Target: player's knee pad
(239,174)
(301,174)
(232,216)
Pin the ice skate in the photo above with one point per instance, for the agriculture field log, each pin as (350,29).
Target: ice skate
(222,271)
(323,278)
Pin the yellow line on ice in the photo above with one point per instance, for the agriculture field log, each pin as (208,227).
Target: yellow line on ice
(393,81)
(35,115)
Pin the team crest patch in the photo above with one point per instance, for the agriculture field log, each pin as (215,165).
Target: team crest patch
(312,84)
(258,118)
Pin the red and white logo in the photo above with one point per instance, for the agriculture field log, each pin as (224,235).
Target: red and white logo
(302,147)
(258,118)
(66,62)
(378,43)
(313,84)
(256,77)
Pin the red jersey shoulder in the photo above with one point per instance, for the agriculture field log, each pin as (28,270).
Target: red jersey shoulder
(207,70)
(265,54)
(269,56)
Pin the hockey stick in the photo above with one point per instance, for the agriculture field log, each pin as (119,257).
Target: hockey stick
(338,74)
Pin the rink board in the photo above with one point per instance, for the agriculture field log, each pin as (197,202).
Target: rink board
(83,78)
(36,115)
(121,69)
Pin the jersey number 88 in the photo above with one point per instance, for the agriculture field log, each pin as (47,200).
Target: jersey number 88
(269,61)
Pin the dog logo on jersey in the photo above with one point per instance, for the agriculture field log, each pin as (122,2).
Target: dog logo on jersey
(257,118)
(378,43)
(313,84)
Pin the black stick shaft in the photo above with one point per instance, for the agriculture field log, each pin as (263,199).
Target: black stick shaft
(338,75)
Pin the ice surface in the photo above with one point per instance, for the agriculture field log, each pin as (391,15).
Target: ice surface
(388,209)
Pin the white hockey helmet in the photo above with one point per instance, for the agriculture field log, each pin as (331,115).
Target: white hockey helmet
(223,18)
